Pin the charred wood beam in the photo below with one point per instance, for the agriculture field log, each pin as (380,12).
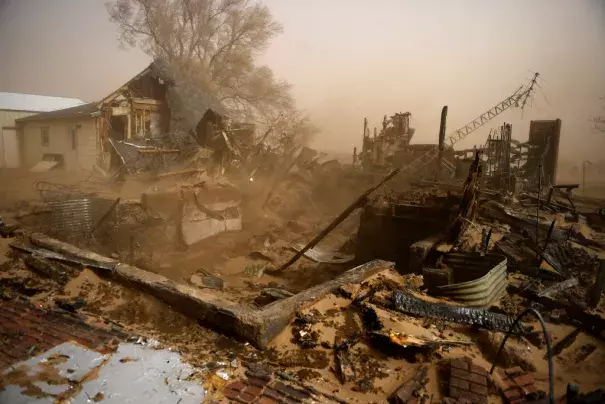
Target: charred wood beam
(565,342)
(409,304)
(209,307)
(553,290)
(591,323)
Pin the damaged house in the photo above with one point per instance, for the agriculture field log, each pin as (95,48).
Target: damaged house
(145,109)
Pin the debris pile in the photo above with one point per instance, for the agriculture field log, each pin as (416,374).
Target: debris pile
(336,289)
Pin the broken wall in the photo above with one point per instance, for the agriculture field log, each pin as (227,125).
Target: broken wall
(388,232)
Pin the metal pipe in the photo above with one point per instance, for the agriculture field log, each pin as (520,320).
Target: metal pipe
(551,372)
(550,230)
(538,207)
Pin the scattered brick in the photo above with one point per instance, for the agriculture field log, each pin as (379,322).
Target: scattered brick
(28,331)
(255,391)
(274,394)
(459,363)
(267,400)
(246,397)
(467,385)
(455,392)
(475,378)
(513,394)
(478,370)
(231,394)
(254,381)
(511,380)
(460,374)
(297,395)
(237,386)
(524,380)
(479,389)
(516,371)
(459,383)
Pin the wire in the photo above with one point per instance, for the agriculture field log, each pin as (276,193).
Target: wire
(551,372)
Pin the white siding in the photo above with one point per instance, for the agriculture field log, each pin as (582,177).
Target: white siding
(7,118)
(9,151)
(84,157)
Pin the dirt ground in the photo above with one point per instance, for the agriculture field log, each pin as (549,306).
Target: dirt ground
(240,258)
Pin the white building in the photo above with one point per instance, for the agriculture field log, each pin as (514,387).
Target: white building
(14,106)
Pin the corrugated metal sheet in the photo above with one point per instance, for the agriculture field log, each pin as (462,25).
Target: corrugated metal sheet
(35,103)
(76,218)
(480,279)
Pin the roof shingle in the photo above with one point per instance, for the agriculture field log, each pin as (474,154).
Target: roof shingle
(80,110)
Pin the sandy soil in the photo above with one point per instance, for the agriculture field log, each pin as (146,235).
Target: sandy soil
(293,217)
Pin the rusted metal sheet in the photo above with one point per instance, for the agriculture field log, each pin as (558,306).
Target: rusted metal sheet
(478,279)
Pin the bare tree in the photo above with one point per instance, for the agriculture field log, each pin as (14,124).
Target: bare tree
(599,121)
(215,42)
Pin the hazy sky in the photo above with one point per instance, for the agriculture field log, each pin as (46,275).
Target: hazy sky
(350,59)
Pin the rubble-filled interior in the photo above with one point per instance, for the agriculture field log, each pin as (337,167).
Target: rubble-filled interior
(257,264)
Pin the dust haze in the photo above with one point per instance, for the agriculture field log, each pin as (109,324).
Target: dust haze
(350,60)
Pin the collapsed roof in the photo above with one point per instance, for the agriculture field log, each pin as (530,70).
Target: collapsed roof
(186,101)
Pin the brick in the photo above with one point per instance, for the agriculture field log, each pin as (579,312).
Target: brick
(459,363)
(505,384)
(237,386)
(295,394)
(479,389)
(255,391)
(455,392)
(459,383)
(246,397)
(267,400)
(460,374)
(478,370)
(514,371)
(482,380)
(478,399)
(274,394)
(231,394)
(524,380)
(513,393)
(255,381)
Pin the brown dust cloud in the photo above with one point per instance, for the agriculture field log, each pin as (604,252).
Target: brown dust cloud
(348,60)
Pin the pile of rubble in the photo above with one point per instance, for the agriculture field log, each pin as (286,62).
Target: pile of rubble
(417,306)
